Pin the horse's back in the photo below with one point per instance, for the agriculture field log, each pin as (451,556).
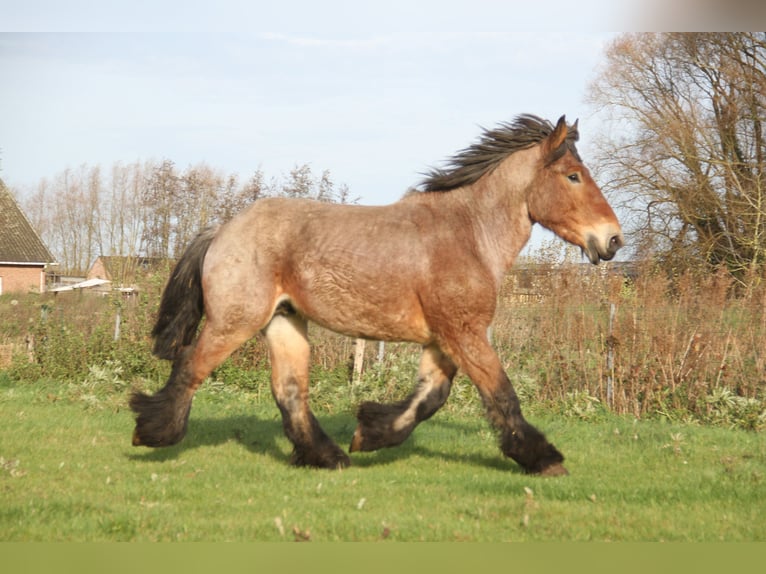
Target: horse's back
(354,269)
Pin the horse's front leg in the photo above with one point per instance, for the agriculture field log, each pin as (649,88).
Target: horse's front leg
(289,352)
(389,425)
(519,440)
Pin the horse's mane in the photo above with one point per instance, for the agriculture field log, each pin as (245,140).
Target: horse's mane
(470,164)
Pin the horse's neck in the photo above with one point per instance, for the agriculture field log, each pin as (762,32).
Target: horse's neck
(503,225)
(496,210)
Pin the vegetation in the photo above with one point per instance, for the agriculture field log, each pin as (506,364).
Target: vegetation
(683,349)
(654,370)
(68,473)
(150,209)
(685,148)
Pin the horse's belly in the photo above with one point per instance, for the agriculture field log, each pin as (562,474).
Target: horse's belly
(377,318)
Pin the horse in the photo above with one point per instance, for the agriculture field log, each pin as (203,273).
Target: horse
(425,269)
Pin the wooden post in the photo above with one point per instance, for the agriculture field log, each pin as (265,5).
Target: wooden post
(610,358)
(117,322)
(358,358)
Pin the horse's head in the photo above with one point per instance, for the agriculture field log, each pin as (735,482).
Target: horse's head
(565,199)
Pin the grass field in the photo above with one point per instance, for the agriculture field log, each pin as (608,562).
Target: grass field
(68,473)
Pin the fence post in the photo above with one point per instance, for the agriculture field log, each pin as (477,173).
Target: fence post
(358,358)
(610,341)
(381,351)
(117,322)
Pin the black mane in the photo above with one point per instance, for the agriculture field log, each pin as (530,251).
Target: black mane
(470,164)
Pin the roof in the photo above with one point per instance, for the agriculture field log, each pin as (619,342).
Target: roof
(19,242)
(114,264)
(124,269)
(81,285)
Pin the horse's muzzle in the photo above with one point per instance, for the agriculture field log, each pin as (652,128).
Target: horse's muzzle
(598,249)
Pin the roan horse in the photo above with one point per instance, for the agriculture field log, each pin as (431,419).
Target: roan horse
(425,269)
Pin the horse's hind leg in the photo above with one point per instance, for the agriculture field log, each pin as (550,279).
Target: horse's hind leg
(389,425)
(162,418)
(289,352)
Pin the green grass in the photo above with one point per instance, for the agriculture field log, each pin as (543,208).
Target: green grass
(68,473)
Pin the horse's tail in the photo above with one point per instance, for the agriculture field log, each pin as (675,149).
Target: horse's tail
(182,304)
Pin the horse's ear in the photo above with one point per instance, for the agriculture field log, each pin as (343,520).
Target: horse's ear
(556,139)
(559,133)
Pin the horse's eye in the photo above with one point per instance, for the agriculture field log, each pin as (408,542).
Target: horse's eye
(574,177)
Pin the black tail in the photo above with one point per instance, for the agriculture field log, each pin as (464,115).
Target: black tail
(182,305)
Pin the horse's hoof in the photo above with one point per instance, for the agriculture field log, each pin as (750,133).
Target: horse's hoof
(331,459)
(555,469)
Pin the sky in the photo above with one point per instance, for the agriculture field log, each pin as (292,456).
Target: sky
(375,92)
(375,110)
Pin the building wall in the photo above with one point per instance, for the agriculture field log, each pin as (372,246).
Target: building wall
(21,279)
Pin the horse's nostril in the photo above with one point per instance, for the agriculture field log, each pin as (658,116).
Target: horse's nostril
(615,242)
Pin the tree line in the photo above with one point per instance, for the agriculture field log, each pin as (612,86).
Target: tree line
(151,208)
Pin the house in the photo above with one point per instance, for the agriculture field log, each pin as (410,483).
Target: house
(23,255)
(125,271)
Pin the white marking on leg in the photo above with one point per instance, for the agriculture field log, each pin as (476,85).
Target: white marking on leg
(409,416)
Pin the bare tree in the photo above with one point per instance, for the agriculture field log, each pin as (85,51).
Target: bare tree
(160,199)
(150,209)
(299,183)
(232,199)
(36,208)
(685,150)
(123,219)
(94,239)
(198,191)
(68,210)
(302,183)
